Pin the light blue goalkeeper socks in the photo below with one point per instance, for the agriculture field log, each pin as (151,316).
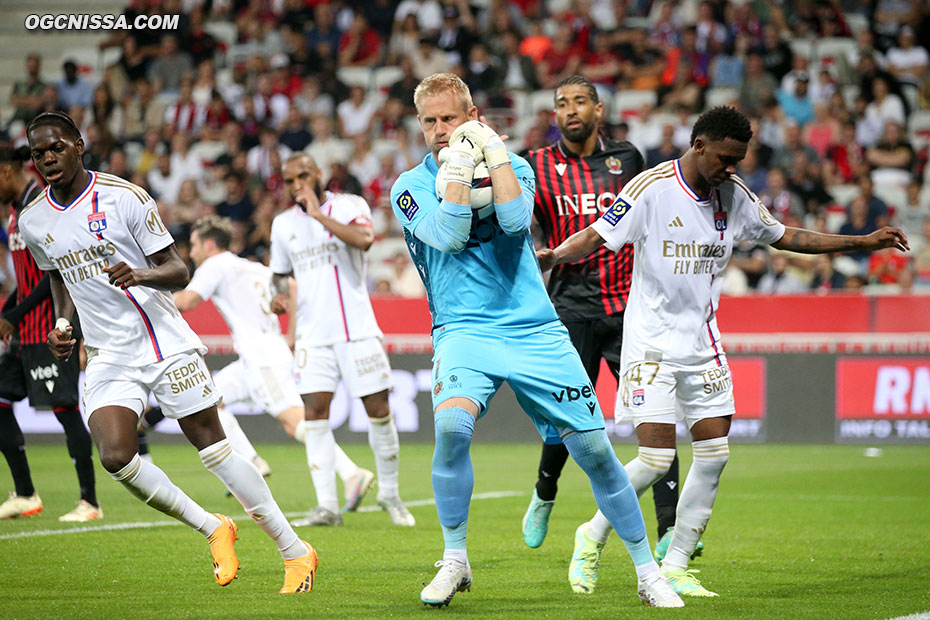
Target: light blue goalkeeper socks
(453,477)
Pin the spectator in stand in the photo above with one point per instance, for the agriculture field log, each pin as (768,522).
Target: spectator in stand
(428,12)
(270,107)
(390,119)
(377,191)
(665,26)
(806,183)
(356,114)
(405,279)
(727,67)
(536,43)
(779,279)
(294,133)
(783,156)
(323,38)
(877,211)
(152,149)
(858,224)
(602,65)
(643,64)
(484,76)
(775,51)
(184,115)
(751,259)
(405,39)
(106,112)
(360,45)
(164,180)
(887,266)
(665,151)
(796,105)
(118,164)
(910,216)
(892,158)
(869,125)
(184,159)
(403,88)
(822,132)
(187,209)
(259,159)
(886,105)
(845,159)
(784,204)
(562,59)
(363,163)
(26,96)
(204,82)
(457,33)
(758,85)
(341,181)
(171,66)
(237,206)
(751,172)
(73,92)
(826,278)
(907,61)
(312,101)
(200,44)
(922,256)
(429,59)
(216,117)
(711,34)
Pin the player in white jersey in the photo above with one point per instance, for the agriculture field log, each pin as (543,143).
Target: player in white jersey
(683,218)
(264,373)
(109,257)
(322,241)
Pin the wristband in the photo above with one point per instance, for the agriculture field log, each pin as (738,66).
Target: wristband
(62,324)
(495,153)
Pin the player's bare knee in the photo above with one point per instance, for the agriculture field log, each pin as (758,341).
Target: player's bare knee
(115,458)
(654,435)
(316,405)
(377,405)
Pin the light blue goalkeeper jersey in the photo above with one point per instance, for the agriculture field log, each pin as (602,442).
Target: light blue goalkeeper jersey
(479,269)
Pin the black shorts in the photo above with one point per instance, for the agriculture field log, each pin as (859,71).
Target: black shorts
(33,371)
(595,339)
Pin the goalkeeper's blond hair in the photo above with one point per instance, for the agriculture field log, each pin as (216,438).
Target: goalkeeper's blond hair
(439,83)
(214,227)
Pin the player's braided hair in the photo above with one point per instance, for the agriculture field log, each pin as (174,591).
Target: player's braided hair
(720,123)
(214,227)
(58,119)
(15,156)
(579,80)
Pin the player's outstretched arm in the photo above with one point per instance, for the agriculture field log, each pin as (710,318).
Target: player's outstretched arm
(59,340)
(168,272)
(187,300)
(809,242)
(281,288)
(577,246)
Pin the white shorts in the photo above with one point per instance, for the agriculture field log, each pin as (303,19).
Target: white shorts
(181,384)
(663,392)
(361,364)
(269,388)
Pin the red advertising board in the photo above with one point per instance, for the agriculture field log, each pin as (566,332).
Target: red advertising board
(892,388)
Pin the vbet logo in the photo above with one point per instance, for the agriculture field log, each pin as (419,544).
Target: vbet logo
(882,398)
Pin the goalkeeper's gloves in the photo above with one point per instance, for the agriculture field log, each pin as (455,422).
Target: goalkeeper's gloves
(485,138)
(458,161)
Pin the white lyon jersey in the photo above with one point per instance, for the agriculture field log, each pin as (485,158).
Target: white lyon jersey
(332,294)
(241,291)
(112,220)
(682,245)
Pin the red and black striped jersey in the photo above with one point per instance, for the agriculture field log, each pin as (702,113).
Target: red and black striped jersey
(38,321)
(571,194)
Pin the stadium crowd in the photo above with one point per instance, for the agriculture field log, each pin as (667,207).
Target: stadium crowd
(838,93)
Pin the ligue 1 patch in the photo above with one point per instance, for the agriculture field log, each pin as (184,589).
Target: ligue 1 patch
(407,205)
(97,222)
(639,397)
(614,165)
(616,211)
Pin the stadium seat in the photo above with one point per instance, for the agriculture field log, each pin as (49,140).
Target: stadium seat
(355,76)
(831,49)
(720,96)
(895,196)
(918,128)
(630,102)
(385,77)
(540,100)
(223,31)
(803,47)
(843,194)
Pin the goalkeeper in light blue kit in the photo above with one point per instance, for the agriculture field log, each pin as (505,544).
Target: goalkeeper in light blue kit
(493,322)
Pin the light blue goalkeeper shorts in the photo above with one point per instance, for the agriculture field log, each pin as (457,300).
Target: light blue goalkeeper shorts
(542,368)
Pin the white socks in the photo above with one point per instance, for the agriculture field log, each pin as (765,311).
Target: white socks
(247,485)
(382,437)
(344,466)
(235,435)
(321,457)
(649,466)
(697,499)
(150,484)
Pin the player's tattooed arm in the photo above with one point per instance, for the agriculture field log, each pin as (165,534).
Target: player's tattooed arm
(810,242)
(577,246)
(167,272)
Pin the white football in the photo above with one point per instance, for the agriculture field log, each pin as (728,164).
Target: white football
(481,193)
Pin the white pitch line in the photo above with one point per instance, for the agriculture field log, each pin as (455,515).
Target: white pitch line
(918,616)
(140,525)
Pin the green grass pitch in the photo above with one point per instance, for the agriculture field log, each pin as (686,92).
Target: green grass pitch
(797,532)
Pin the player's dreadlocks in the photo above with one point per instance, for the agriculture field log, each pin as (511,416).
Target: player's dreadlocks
(579,80)
(720,123)
(58,119)
(214,227)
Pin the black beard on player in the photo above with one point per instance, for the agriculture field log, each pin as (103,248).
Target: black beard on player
(578,134)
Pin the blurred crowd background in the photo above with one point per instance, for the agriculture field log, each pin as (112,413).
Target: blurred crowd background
(838,92)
